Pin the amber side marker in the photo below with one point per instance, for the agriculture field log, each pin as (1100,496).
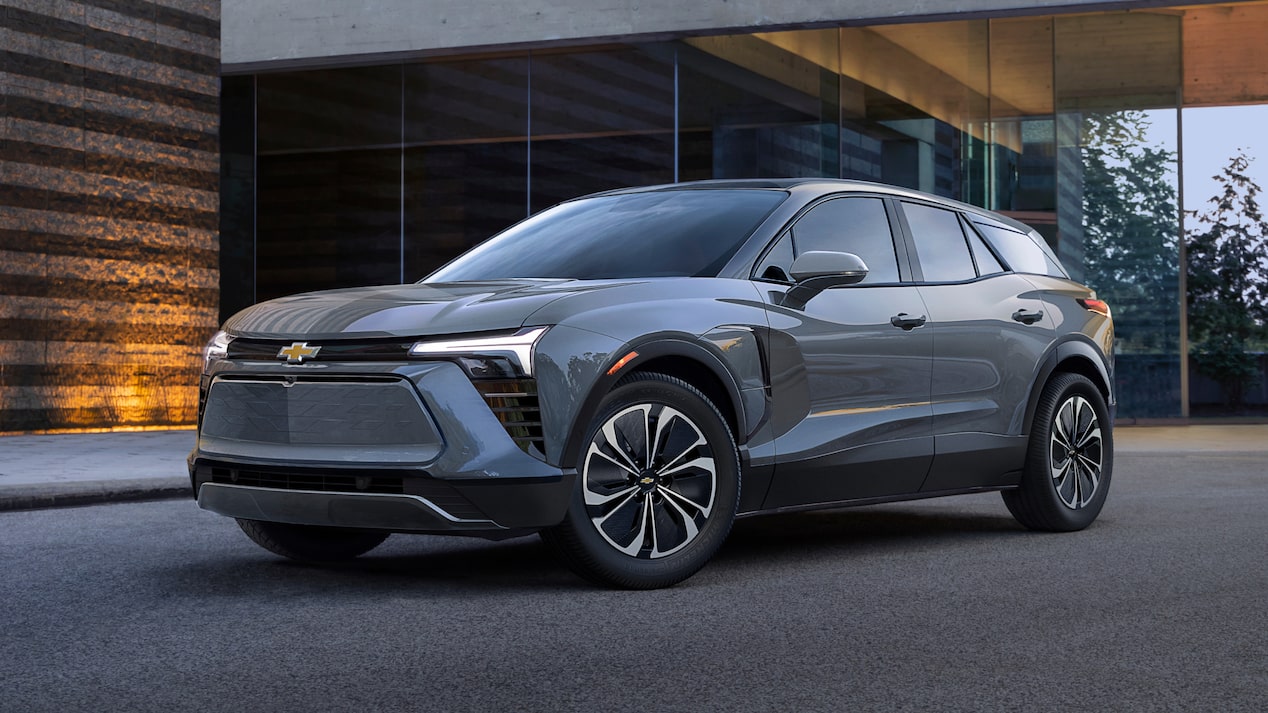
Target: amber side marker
(621,362)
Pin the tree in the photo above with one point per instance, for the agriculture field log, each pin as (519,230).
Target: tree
(1228,283)
(1130,229)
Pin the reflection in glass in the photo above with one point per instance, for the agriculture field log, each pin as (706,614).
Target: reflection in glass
(1117,82)
(465,156)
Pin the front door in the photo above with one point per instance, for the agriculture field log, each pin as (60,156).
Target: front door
(851,369)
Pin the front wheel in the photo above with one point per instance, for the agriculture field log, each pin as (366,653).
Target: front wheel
(1070,458)
(311,543)
(658,488)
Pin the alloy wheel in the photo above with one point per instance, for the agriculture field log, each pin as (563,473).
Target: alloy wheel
(1076,454)
(649,480)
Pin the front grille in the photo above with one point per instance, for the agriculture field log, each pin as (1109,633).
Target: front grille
(438,492)
(515,403)
(310,410)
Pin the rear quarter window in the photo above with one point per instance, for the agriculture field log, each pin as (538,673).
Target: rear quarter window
(1020,251)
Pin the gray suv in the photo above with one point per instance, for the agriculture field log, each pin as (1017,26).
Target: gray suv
(628,372)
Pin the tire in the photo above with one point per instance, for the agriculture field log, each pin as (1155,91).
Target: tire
(1069,461)
(310,543)
(640,520)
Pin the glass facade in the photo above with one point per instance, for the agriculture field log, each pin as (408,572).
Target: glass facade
(1071,123)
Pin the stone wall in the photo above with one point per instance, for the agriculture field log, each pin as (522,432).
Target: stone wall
(108,210)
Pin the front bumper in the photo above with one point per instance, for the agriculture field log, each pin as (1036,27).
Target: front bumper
(408,447)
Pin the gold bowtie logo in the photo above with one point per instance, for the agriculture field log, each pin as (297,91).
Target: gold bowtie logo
(296,352)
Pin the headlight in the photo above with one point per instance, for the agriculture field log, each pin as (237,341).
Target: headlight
(217,348)
(502,356)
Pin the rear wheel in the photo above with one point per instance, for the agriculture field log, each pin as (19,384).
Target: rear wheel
(310,543)
(658,487)
(1070,458)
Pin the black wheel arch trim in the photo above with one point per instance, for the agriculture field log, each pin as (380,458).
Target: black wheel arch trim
(650,349)
(1073,347)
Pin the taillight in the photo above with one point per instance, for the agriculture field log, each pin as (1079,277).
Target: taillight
(1097,306)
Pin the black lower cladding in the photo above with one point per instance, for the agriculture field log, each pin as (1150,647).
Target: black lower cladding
(509,502)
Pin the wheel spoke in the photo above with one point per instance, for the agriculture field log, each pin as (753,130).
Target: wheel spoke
(609,433)
(677,497)
(701,463)
(593,498)
(689,526)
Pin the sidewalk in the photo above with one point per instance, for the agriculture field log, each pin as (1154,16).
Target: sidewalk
(79,469)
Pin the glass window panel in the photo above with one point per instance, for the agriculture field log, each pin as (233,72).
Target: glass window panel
(916,98)
(600,120)
(987,263)
(757,106)
(851,225)
(329,179)
(940,246)
(328,219)
(777,265)
(465,157)
(330,108)
(1117,81)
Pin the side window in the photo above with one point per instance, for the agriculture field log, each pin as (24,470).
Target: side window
(778,262)
(851,225)
(940,245)
(987,264)
(1020,251)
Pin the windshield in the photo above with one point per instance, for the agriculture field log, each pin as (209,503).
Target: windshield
(677,233)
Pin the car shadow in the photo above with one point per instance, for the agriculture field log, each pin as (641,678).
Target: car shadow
(451,566)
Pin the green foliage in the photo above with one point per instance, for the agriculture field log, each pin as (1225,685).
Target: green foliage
(1131,242)
(1228,282)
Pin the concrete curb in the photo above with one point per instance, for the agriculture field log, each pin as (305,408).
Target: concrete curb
(36,496)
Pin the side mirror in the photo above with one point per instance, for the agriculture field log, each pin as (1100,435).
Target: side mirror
(818,270)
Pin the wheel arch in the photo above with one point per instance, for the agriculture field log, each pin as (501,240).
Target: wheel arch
(690,361)
(1073,356)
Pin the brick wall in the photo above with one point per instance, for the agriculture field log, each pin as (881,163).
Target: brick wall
(108,210)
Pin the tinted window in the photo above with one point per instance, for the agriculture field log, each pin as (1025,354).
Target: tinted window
(657,234)
(851,225)
(1020,251)
(778,262)
(987,264)
(944,255)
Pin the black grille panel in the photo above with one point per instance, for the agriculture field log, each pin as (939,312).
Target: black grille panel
(515,403)
(335,350)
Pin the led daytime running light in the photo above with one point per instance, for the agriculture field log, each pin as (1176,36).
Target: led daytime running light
(519,346)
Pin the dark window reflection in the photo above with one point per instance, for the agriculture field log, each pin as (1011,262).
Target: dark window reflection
(237,194)
(751,107)
(329,219)
(600,120)
(465,156)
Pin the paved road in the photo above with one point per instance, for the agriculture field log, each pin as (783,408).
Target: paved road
(940,605)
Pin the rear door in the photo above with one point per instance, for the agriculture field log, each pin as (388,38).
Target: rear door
(990,330)
(850,386)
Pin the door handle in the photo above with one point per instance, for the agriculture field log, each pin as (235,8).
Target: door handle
(906,323)
(1025,317)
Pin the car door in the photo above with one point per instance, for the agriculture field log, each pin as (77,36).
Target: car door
(850,369)
(990,330)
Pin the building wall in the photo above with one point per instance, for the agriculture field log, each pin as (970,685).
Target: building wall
(109,170)
(321,32)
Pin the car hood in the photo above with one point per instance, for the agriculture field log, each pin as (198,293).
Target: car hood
(405,310)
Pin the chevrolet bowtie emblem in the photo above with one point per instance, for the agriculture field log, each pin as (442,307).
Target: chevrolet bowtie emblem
(296,352)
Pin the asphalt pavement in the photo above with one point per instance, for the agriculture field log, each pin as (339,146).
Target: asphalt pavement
(940,605)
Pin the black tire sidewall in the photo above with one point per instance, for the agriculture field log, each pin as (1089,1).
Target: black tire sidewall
(598,558)
(1037,482)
